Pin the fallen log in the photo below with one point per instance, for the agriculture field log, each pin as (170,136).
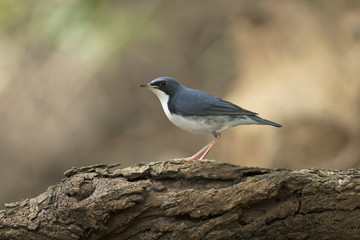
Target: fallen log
(190,200)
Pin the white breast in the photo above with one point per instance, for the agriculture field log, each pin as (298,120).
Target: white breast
(186,123)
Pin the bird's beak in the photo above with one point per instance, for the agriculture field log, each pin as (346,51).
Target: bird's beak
(147,85)
(144,85)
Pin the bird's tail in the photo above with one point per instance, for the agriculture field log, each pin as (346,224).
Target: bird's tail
(264,121)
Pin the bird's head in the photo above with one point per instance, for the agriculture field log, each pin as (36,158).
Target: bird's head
(162,85)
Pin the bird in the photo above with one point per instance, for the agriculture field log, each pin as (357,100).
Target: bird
(200,112)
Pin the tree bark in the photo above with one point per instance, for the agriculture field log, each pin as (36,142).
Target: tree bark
(190,200)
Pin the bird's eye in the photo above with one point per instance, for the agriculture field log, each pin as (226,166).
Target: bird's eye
(162,83)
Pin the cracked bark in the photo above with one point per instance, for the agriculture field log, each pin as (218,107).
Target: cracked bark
(190,200)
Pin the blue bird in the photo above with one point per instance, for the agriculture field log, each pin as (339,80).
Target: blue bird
(200,112)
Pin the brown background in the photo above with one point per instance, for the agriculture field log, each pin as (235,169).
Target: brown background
(69,72)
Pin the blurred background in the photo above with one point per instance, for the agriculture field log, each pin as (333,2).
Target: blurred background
(69,72)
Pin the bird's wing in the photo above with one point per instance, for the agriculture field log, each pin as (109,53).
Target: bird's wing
(223,107)
(200,103)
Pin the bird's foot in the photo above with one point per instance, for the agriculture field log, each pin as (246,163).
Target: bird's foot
(189,159)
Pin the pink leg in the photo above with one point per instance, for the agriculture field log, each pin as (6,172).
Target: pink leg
(196,155)
(212,144)
(206,149)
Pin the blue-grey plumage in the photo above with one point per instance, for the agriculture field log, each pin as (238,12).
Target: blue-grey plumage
(196,111)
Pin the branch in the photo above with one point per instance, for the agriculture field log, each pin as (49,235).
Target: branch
(190,200)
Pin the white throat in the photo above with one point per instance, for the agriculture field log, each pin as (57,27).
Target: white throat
(163,100)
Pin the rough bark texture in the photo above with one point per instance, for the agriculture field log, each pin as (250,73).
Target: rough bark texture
(190,200)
